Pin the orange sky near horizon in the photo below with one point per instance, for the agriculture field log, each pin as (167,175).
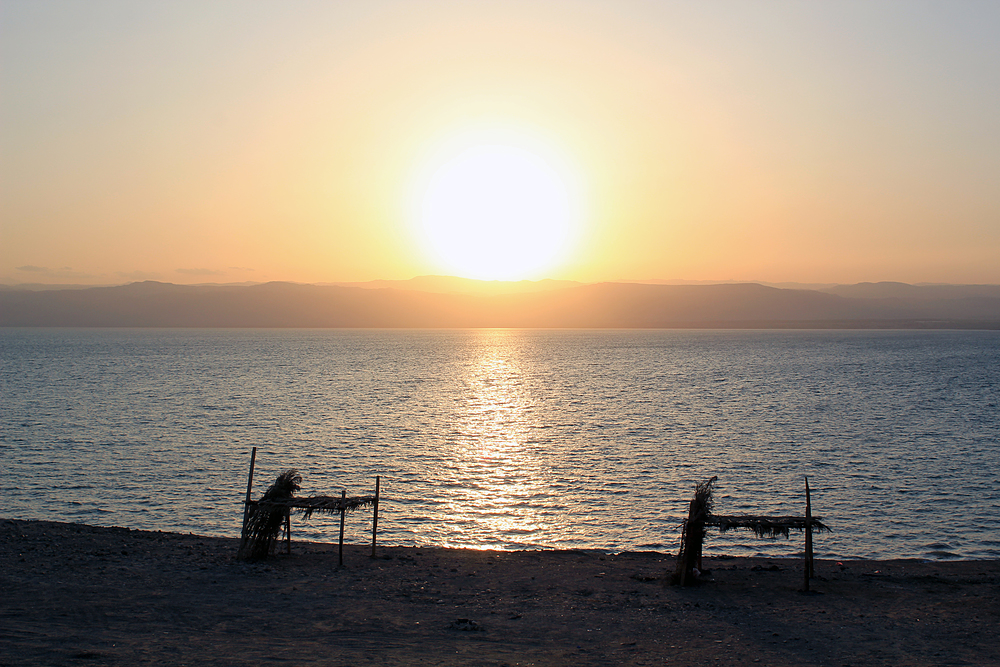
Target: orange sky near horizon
(191,142)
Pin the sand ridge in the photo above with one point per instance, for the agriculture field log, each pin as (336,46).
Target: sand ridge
(83,595)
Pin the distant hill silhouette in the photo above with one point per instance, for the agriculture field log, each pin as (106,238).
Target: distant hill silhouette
(888,290)
(455,285)
(603,305)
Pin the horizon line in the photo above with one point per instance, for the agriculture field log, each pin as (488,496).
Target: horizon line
(495,282)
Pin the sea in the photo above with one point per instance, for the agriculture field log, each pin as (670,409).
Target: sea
(514,438)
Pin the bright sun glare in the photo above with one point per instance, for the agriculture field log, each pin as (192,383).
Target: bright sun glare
(496,211)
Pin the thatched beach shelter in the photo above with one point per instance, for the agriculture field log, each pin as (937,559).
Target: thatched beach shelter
(700,517)
(264,518)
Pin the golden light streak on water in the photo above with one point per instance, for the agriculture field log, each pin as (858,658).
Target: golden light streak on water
(494,448)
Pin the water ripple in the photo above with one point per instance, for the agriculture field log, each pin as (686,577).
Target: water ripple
(514,438)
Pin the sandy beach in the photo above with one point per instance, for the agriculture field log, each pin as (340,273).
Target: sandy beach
(82,595)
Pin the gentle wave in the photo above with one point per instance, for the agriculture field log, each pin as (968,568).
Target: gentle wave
(515,438)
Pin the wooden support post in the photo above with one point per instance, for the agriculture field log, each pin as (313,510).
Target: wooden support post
(808,564)
(693,534)
(343,511)
(684,560)
(288,532)
(378,479)
(692,541)
(246,503)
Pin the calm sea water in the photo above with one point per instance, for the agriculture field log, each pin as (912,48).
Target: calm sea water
(514,438)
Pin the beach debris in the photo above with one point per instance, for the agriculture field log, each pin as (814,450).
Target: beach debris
(761,568)
(689,568)
(465,625)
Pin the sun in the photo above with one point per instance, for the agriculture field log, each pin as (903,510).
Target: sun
(495,208)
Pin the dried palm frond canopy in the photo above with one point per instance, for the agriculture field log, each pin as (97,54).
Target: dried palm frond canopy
(266,516)
(264,519)
(764,526)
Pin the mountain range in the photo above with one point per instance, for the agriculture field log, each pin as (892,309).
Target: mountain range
(438,301)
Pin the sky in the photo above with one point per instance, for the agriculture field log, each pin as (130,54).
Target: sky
(194,142)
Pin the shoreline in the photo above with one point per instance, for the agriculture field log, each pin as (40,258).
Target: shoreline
(117,596)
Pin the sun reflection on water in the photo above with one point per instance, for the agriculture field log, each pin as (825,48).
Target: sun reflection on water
(493,451)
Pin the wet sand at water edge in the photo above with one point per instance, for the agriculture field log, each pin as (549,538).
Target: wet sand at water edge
(82,595)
